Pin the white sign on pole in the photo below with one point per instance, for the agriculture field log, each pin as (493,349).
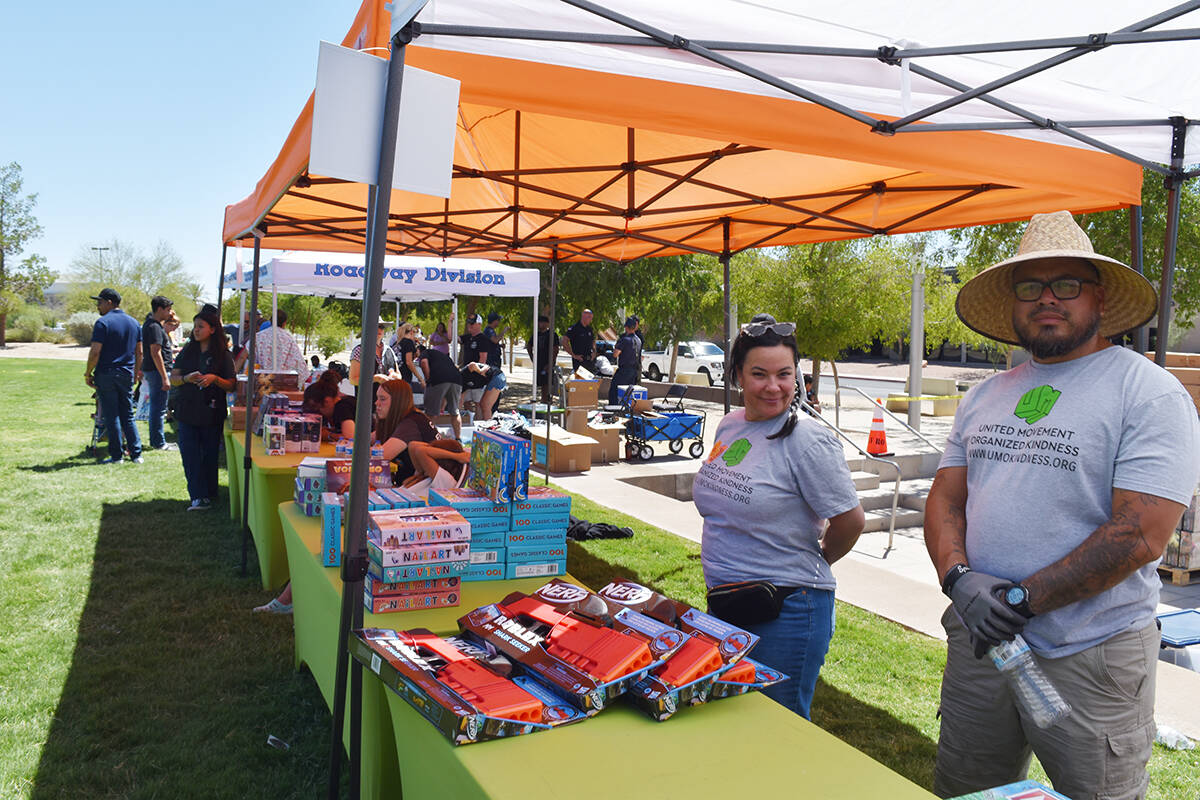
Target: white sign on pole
(348,117)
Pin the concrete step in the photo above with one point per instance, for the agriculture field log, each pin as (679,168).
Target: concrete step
(879,519)
(865,480)
(912,495)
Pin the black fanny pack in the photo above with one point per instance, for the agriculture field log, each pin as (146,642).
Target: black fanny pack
(748,602)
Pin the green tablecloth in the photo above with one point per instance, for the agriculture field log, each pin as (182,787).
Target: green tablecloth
(272,481)
(316,599)
(233,463)
(725,749)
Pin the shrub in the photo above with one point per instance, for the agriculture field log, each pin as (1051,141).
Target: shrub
(54,335)
(25,327)
(79,326)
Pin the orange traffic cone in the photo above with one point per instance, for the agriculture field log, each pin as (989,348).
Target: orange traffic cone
(877,440)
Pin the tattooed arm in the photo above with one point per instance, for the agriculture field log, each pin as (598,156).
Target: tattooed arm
(1135,535)
(946,519)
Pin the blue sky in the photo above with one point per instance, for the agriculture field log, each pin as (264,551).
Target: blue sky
(142,121)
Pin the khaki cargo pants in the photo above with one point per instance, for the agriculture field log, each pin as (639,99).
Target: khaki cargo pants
(1099,751)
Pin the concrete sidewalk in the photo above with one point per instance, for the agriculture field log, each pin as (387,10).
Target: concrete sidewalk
(898,583)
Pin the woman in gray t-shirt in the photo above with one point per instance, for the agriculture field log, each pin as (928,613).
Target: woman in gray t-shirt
(772,480)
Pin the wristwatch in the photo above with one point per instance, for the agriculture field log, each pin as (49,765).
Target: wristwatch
(1017,598)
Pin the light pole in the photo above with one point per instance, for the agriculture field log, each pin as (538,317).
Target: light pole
(101,250)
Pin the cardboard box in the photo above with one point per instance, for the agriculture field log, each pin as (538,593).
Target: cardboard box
(490,540)
(563,451)
(576,420)
(499,465)
(608,441)
(416,601)
(409,587)
(484,572)
(535,569)
(552,520)
(337,474)
(484,525)
(529,538)
(494,555)
(406,554)
(468,502)
(414,572)
(331,529)
(1183,550)
(237,418)
(524,554)
(582,393)
(403,526)
(542,500)
(642,406)
(275,440)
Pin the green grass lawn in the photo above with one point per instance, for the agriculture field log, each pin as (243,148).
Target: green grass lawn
(131,666)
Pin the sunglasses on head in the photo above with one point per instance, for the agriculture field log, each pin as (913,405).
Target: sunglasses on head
(1062,288)
(778,328)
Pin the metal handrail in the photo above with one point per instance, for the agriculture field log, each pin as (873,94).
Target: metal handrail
(895,465)
(877,404)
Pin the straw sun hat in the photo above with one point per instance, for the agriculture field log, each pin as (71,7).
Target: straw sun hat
(985,302)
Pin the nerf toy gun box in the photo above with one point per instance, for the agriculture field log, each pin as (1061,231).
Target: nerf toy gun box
(583,662)
(463,691)
(689,678)
(499,466)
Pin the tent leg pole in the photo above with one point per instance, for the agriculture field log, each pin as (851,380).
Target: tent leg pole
(354,560)
(453,329)
(533,383)
(728,325)
(553,309)
(221,282)
(1174,186)
(1141,336)
(252,354)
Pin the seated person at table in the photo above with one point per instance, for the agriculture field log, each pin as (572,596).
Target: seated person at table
(409,438)
(337,410)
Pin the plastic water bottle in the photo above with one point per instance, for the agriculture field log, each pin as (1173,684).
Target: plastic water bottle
(1033,690)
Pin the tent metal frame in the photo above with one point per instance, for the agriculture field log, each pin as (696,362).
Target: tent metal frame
(438,235)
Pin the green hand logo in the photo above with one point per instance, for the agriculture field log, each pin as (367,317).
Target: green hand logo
(1036,403)
(736,452)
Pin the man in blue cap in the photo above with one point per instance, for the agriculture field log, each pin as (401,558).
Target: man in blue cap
(113,365)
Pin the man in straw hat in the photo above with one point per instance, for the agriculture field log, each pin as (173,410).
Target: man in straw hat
(1063,480)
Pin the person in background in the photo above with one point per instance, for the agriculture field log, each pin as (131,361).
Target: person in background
(407,435)
(113,366)
(473,345)
(580,342)
(385,359)
(1062,481)
(779,506)
(203,371)
(443,387)
(277,350)
(440,340)
(628,353)
(315,372)
(407,354)
(243,351)
(336,409)
(810,396)
(547,354)
(158,354)
(477,379)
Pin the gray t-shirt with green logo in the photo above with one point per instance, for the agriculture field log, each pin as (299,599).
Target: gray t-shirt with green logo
(765,502)
(1044,446)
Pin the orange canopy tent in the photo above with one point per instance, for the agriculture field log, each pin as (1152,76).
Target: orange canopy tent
(614,165)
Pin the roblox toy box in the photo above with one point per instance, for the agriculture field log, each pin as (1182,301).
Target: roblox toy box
(464,691)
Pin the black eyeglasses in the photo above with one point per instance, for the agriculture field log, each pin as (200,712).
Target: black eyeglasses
(778,328)
(1062,288)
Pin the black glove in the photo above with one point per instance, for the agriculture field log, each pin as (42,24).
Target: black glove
(979,602)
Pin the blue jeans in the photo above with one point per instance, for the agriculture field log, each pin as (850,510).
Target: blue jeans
(198,448)
(795,643)
(158,407)
(115,392)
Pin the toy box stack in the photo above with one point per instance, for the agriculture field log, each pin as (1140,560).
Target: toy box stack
(489,529)
(410,547)
(537,534)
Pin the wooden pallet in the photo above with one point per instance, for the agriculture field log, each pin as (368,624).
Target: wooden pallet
(1179,576)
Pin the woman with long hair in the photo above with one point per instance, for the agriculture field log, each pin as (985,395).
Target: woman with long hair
(779,508)
(408,437)
(324,397)
(203,373)
(440,338)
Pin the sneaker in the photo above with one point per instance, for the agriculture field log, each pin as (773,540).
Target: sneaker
(199,505)
(274,607)
(138,460)
(205,504)
(168,446)
(110,460)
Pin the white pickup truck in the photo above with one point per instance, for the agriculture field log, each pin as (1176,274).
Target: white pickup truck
(703,357)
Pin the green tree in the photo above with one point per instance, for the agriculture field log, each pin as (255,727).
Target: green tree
(138,276)
(18,225)
(675,297)
(841,295)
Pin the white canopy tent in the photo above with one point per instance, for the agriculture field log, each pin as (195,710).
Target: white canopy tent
(405,279)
